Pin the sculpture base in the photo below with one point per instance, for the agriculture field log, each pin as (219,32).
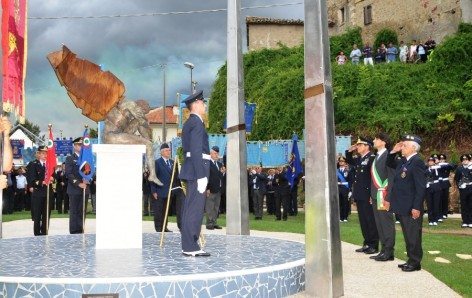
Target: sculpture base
(69,266)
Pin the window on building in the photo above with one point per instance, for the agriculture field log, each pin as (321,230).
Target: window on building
(342,15)
(368,15)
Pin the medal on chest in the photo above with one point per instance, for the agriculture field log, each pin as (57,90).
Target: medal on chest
(403,174)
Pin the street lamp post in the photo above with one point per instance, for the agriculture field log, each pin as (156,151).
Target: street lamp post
(190,66)
(164,133)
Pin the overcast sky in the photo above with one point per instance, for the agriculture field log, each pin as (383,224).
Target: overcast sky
(129,47)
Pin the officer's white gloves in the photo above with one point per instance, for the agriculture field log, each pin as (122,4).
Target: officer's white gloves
(202,184)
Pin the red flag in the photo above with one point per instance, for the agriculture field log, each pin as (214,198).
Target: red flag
(14,55)
(50,159)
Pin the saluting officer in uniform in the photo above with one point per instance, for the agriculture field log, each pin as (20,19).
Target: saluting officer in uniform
(195,171)
(407,195)
(463,179)
(75,189)
(361,192)
(36,171)
(445,170)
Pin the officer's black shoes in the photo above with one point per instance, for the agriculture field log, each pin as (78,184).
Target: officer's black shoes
(167,230)
(385,258)
(371,251)
(217,227)
(210,227)
(376,256)
(198,253)
(362,249)
(402,265)
(411,268)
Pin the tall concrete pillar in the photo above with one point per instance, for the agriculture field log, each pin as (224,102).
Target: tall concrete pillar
(323,275)
(237,206)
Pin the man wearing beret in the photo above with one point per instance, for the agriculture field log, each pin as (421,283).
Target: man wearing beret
(215,184)
(195,171)
(362,164)
(35,174)
(164,166)
(407,195)
(76,186)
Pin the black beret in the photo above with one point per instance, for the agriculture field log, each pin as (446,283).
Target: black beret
(198,95)
(442,156)
(43,148)
(413,138)
(164,146)
(78,140)
(465,157)
(216,149)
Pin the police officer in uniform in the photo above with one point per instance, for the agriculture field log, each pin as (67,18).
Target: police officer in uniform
(407,195)
(463,179)
(195,171)
(35,175)
(433,192)
(362,164)
(75,189)
(445,170)
(345,178)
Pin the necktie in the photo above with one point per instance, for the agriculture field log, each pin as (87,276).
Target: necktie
(216,164)
(168,163)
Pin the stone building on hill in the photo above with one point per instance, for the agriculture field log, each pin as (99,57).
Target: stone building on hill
(411,19)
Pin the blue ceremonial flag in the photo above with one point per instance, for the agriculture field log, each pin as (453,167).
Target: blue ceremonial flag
(86,165)
(295,164)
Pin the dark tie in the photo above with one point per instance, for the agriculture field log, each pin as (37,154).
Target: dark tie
(168,163)
(216,165)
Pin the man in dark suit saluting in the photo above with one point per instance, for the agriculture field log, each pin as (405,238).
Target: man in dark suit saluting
(195,170)
(407,195)
(382,181)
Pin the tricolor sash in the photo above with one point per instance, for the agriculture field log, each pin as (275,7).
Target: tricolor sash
(342,179)
(380,185)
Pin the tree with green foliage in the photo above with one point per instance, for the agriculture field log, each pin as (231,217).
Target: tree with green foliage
(344,42)
(385,36)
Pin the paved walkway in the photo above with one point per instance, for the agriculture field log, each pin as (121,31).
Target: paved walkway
(362,277)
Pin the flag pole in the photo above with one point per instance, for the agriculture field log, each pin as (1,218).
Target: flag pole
(47,191)
(168,201)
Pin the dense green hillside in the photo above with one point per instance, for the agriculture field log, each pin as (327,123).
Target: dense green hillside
(433,99)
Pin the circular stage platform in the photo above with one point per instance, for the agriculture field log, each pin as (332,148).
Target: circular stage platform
(69,266)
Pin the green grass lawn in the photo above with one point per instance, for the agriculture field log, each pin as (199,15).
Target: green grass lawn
(448,238)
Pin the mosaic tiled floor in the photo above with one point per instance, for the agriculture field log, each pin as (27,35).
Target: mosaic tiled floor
(69,265)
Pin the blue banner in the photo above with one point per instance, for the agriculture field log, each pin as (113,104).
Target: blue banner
(249,112)
(17,146)
(63,147)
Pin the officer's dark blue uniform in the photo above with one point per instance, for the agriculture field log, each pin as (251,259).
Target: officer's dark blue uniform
(433,192)
(196,166)
(407,194)
(463,179)
(75,192)
(35,174)
(361,194)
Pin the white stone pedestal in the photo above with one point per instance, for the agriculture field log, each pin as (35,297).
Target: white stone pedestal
(119,196)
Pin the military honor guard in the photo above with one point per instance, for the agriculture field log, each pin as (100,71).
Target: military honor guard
(463,179)
(433,192)
(195,171)
(382,181)
(362,164)
(445,170)
(75,189)
(407,195)
(35,175)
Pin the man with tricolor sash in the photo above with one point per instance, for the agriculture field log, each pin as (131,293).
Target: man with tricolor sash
(382,177)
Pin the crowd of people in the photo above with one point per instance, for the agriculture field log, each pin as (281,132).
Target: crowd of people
(415,52)
(392,185)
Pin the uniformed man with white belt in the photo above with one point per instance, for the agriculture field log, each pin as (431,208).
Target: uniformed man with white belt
(195,171)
